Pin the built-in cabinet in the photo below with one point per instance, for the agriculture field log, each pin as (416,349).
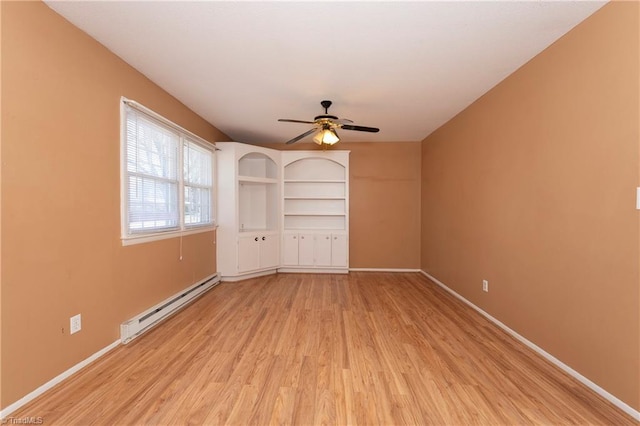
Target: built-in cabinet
(315,211)
(284,211)
(314,250)
(257,251)
(248,236)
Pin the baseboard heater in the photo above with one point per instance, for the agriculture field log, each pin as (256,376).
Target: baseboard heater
(152,316)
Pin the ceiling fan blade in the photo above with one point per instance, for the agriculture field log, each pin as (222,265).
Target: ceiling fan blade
(360,128)
(297,138)
(343,121)
(294,121)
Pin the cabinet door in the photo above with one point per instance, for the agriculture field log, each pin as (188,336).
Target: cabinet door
(248,253)
(269,253)
(305,250)
(290,249)
(339,250)
(323,250)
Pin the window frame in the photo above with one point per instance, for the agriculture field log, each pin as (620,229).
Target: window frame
(185,136)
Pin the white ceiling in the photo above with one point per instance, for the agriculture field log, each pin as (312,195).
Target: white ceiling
(405,67)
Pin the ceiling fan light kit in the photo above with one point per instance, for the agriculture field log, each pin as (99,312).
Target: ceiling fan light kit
(325,125)
(326,136)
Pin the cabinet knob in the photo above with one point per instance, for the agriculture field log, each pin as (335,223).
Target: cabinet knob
(256,238)
(294,237)
(327,238)
(264,238)
(302,238)
(335,238)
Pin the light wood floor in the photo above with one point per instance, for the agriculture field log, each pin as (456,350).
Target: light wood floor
(367,348)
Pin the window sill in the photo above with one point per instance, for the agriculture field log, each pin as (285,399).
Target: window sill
(147,238)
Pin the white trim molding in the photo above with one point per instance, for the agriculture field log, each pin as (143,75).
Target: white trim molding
(585,381)
(303,270)
(383,270)
(139,239)
(59,378)
(243,276)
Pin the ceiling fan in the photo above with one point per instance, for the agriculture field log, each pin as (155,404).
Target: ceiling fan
(325,125)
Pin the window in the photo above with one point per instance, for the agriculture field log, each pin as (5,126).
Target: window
(167,177)
(198,184)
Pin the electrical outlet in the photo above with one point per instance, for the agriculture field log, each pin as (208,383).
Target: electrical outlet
(485,285)
(75,324)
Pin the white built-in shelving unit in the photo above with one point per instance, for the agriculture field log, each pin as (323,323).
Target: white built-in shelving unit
(315,211)
(281,211)
(248,235)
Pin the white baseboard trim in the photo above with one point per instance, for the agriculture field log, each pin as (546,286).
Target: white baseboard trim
(382,270)
(241,277)
(59,378)
(303,270)
(591,385)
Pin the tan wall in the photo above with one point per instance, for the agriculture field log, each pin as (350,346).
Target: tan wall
(61,252)
(533,188)
(384,205)
(1,67)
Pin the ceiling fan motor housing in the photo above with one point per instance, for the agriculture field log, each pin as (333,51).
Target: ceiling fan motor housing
(325,116)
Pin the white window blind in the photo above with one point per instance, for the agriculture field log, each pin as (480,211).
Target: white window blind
(152,160)
(198,184)
(168,176)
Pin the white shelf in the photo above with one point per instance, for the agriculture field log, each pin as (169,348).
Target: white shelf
(314,214)
(310,197)
(308,222)
(315,190)
(314,181)
(314,231)
(315,206)
(337,231)
(251,179)
(253,230)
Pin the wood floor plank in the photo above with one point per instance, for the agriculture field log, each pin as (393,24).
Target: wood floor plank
(282,413)
(305,402)
(268,390)
(301,349)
